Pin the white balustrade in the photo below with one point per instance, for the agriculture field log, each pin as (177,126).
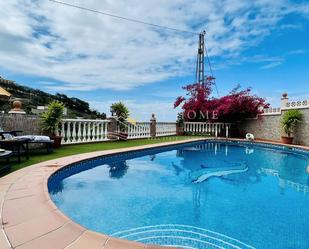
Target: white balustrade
(213,129)
(165,129)
(74,131)
(272,111)
(286,105)
(296,104)
(138,130)
(83,130)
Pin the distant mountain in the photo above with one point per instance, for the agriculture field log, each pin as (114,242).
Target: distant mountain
(34,97)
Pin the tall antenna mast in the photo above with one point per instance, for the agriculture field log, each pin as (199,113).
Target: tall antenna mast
(200,73)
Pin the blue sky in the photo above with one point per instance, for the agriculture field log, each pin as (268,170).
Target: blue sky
(262,44)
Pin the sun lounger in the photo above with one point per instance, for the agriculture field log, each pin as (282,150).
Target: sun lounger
(32,139)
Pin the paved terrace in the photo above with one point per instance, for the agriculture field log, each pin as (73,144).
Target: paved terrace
(30,220)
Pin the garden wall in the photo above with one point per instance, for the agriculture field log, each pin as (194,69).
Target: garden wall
(27,123)
(269,127)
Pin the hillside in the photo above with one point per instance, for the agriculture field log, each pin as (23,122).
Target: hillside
(34,97)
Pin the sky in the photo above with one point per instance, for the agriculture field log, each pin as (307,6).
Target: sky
(260,44)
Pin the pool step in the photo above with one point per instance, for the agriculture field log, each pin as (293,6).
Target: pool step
(181,236)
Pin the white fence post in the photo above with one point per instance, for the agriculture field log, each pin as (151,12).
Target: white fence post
(62,133)
(74,137)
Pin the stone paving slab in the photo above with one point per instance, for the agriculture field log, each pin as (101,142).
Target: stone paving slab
(89,239)
(30,219)
(34,228)
(3,241)
(56,239)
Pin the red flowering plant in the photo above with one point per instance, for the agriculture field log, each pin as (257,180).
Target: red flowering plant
(236,106)
(239,105)
(194,104)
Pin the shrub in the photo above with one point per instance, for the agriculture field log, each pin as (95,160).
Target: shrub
(239,105)
(290,119)
(51,119)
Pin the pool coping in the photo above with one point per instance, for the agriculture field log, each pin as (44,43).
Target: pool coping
(30,219)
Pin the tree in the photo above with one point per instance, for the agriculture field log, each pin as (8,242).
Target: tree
(120,111)
(236,106)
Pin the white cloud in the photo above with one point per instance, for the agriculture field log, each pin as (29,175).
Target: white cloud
(141,111)
(297,52)
(272,64)
(87,51)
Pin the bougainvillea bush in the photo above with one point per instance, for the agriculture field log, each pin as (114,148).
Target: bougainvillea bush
(237,105)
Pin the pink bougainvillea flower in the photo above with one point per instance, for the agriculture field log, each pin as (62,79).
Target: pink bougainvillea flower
(236,106)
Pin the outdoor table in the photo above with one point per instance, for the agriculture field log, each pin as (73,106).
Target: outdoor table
(5,155)
(18,146)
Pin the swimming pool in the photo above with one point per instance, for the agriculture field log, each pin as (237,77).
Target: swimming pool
(210,194)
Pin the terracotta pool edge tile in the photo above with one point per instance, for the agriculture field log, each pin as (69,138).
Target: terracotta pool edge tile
(116,243)
(62,236)
(4,242)
(88,237)
(35,226)
(10,219)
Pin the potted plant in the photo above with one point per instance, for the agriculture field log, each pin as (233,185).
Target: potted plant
(51,120)
(121,112)
(289,121)
(180,124)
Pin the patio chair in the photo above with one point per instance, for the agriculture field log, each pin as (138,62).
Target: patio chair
(5,155)
(18,147)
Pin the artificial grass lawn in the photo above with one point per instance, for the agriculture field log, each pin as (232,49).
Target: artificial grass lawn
(69,150)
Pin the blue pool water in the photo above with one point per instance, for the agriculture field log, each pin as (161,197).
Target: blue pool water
(199,195)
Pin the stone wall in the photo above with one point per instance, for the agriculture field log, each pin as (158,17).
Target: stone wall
(26,123)
(269,127)
(301,135)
